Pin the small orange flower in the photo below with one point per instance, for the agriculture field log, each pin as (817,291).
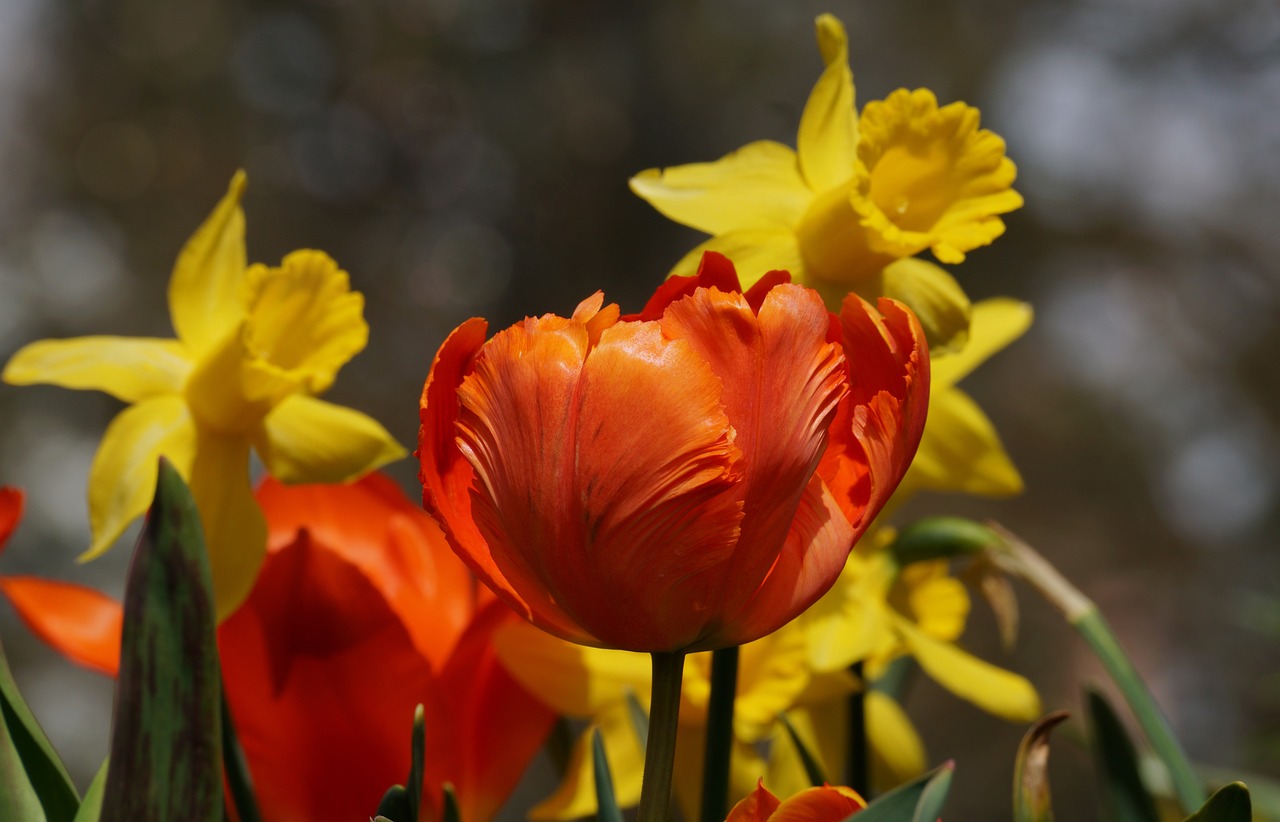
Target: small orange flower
(648,482)
(825,804)
(360,612)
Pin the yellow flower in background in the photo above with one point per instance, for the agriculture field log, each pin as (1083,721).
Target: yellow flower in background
(774,675)
(254,345)
(848,209)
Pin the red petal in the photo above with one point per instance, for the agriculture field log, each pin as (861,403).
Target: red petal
(757,806)
(714,271)
(81,623)
(12,502)
(825,804)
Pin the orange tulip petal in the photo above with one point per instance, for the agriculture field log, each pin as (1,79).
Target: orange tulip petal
(12,502)
(824,804)
(494,728)
(402,551)
(781,353)
(81,623)
(756,806)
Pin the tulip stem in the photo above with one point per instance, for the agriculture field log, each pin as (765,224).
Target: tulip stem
(715,769)
(857,725)
(1017,558)
(660,750)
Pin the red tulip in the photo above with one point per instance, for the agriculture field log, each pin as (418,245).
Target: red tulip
(648,482)
(360,613)
(825,804)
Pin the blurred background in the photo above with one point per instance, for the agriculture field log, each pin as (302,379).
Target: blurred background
(470,157)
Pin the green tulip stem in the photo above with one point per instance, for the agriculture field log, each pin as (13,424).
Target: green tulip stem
(858,762)
(715,770)
(660,750)
(1019,559)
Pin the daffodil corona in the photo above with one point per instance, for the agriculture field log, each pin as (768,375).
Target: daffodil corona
(254,345)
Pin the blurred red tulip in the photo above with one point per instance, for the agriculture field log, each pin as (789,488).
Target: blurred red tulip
(648,482)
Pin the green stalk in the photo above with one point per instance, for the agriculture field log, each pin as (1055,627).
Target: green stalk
(660,750)
(858,759)
(715,770)
(1018,558)
(236,769)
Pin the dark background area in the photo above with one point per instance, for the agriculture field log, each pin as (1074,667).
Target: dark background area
(470,157)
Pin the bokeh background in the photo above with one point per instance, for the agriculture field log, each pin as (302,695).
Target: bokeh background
(470,157)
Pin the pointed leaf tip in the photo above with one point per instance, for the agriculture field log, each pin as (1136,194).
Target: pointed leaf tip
(1031,799)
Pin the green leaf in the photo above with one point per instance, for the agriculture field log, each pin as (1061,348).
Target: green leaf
(1031,800)
(812,769)
(1124,795)
(417,746)
(236,769)
(941,538)
(905,803)
(166,740)
(394,806)
(606,801)
(30,770)
(639,717)
(451,812)
(1230,804)
(91,807)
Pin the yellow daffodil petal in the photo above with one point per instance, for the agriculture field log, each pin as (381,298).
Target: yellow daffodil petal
(935,297)
(992,689)
(235,531)
(821,730)
(939,603)
(772,673)
(898,749)
(128,368)
(303,320)
(309,440)
(756,187)
(122,479)
(573,679)
(754,254)
(960,451)
(575,797)
(204,291)
(828,137)
(930,178)
(995,323)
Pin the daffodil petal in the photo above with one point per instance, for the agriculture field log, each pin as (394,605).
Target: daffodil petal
(573,679)
(128,368)
(772,673)
(235,531)
(960,451)
(309,440)
(935,297)
(756,187)
(995,323)
(828,136)
(939,604)
(754,254)
(204,291)
(122,479)
(995,690)
(575,797)
(893,739)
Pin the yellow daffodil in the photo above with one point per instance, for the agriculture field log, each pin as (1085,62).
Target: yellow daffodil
(254,345)
(849,208)
(774,675)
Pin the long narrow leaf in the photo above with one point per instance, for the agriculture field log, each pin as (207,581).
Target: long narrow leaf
(166,749)
(91,807)
(902,802)
(1031,800)
(1125,797)
(27,757)
(933,797)
(812,769)
(606,801)
(1230,804)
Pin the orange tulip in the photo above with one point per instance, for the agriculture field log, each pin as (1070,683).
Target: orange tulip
(648,482)
(360,612)
(825,804)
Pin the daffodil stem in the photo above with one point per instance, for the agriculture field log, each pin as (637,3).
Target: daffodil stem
(1019,559)
(857,726)
(715,770)
(660,750)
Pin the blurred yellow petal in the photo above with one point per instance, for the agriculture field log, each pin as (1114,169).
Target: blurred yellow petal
(204,292)
(756,187)
(754,254)
(128,368)
(309,440)
(828,134)
(935,297)
(930,178)
(303,320)
(992,689)
(995,323)
(821,731)
(746,766)
(893,739)
(573,679)
(849,623)
(940,606)
(122,479)
(235,531)
(960,451)
(575,797)
(772,673)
